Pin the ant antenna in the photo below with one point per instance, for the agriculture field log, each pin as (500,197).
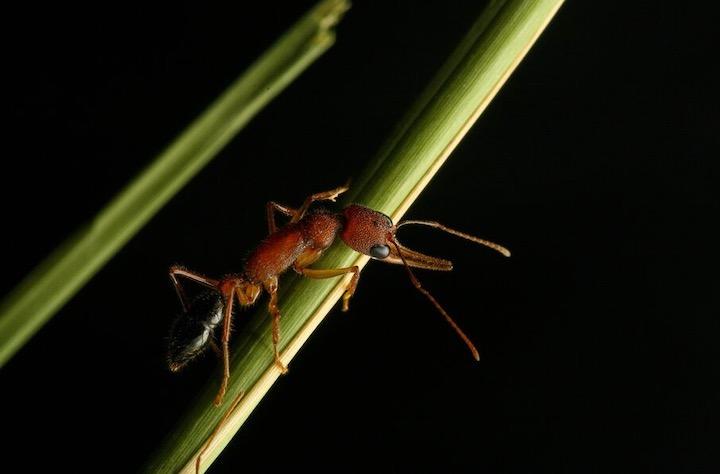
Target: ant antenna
(425,292)
(437,225)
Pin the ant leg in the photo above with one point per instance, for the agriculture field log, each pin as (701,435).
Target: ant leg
(329,273)
(271,286)
(228,289)
(323,196)
(178,271)
(270,209)
(296,214)
(219,426)
(216,349)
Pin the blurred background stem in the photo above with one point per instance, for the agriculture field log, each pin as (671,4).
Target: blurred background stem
(54,281)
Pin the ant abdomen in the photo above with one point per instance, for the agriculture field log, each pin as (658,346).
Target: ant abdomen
(192,331)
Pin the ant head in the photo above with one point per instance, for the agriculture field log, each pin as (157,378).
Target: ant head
(367,231)
(373,233)
(191,333)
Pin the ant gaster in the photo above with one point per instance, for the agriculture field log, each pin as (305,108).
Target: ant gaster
(297,244)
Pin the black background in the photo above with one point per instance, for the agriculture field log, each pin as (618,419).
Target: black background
(596,165)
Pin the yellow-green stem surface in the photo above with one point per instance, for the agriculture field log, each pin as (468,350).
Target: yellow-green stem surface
(434,126)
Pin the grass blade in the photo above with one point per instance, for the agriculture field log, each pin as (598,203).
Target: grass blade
(52,283)
(432,129)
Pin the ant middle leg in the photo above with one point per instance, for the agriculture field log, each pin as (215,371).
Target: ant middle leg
(271,286)
(332,272)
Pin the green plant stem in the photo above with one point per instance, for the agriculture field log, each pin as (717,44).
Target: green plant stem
(444,113)
(52,283)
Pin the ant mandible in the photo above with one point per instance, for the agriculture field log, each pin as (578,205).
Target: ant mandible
(297,244)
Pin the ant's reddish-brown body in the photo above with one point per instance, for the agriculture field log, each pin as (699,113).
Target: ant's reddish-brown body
(298,244)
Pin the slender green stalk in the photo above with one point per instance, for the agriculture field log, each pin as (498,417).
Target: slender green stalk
(452,103)
(68,268)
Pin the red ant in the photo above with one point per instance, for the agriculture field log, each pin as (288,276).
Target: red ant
(297,244)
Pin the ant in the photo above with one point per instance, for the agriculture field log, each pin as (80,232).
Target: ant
(298,244)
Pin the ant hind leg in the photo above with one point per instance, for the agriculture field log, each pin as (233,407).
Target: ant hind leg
(228,287)
(178,271)
(220,425)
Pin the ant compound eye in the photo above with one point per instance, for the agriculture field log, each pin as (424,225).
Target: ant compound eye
(379,251)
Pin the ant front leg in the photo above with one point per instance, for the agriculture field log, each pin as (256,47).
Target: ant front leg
(271,286)
(297,214)
(332,272)
(323,196)
(270,209)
